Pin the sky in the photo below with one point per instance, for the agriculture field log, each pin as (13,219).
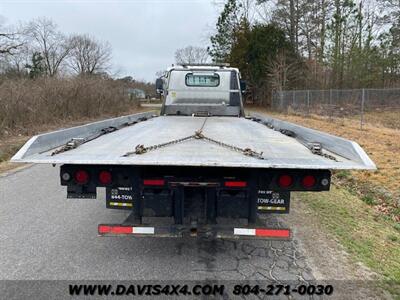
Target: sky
(143,34)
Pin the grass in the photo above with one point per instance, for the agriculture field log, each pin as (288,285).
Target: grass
(368,236)
(389,119)
(27,104)
(8,147)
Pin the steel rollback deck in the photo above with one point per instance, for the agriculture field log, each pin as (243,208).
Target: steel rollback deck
(279,144)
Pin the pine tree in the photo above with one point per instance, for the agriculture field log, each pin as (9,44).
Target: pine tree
(221,42)
(36,69)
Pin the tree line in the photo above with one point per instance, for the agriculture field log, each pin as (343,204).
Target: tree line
(38,48)
(307,44)
(48,78)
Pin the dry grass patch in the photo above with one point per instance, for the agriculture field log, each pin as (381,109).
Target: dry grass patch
(26,104)
(390,119)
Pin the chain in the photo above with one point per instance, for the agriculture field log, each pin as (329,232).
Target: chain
(245,151)
(198,135)
(316,148)
(76,142)
(141,149)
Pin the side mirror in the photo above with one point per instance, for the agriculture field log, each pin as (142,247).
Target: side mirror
(159,85)
(243,86)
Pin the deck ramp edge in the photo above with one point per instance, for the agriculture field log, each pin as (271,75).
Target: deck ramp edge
(47,141)
(338,145)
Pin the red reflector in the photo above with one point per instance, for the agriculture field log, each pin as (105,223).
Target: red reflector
(81,176)
(154,182)
(104,229)
(235,183)
(105,177)
(285,181)
(285,233)
(114,229)
(308,181)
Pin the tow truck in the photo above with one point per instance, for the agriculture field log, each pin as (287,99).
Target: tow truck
(200,166)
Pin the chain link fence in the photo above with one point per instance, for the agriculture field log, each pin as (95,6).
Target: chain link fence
(366,105)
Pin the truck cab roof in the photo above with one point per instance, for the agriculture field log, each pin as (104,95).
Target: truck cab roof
(203,67)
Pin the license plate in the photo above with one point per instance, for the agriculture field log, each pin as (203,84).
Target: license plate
(273,202)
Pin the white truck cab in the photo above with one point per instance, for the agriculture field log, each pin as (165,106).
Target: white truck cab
(202,89)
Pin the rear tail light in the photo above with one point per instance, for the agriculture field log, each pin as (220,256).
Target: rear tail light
(81,176)
(154,182)
(309,181)
(105,177)
(285,181)
(236,184)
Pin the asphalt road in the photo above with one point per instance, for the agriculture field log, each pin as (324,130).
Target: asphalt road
(43,235)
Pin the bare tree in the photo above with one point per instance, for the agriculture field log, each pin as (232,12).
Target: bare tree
(51,43)
(280,71)
(10,40)
(191,55)
(265,10)
(89,56)
(9,43)
(16,61)
(160,73)
(13,50)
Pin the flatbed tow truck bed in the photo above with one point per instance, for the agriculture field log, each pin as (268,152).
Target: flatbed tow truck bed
(261,134)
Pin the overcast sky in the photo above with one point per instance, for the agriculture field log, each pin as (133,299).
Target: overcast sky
(144,34)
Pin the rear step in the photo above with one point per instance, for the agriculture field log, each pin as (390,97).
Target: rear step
(181,231)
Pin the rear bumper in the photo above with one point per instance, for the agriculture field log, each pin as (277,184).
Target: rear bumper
(210,231)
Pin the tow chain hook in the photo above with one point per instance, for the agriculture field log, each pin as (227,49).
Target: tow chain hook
(140,149)
(198,135)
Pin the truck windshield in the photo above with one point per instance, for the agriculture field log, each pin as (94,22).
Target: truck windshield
(202,80)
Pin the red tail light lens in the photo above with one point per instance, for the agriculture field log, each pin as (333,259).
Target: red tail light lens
(105,177)
(308,181)
(154,182)
(81,177)
(236,184)
(285,181)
